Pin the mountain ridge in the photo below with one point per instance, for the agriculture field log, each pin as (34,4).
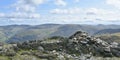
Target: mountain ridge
(22,32)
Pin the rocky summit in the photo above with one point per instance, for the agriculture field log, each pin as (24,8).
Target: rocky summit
(79,46)
(82,43)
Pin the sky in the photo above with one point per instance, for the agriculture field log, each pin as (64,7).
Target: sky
(35,12)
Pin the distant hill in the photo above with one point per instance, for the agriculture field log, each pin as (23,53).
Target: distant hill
(115,37)
(108,31)
(14,33)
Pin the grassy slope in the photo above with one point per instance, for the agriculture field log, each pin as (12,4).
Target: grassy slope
(111,37)
(4,58)
(3,37)
(31,57)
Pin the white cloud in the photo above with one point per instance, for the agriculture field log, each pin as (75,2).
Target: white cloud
(25,9)
(66,11)
(20,15)
(27,5)
(77,0)
(2,14)
(60,2)
(102,14)
(86,14)
(34,2)
(77,10)
(115,3)
(96,11)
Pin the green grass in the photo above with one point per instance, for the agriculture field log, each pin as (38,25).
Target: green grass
(110,37)
(116,34)
(18,56)
(25,57)
(4,58)
(101,58)
(3,37)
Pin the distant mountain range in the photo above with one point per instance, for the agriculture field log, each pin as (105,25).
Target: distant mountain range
(108,31)
(15,33)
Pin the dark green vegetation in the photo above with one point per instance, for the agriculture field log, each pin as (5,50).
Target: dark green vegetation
(21,33)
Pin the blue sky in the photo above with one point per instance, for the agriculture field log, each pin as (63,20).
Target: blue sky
(34,12)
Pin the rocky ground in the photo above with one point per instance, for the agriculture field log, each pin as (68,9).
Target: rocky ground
(79,46)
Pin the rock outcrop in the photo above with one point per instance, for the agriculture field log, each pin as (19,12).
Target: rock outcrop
(79,43)
(79,46)
(82,43)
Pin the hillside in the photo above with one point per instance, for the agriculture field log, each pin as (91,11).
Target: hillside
(108,31)
(115,37)
(79,46)
(14,33)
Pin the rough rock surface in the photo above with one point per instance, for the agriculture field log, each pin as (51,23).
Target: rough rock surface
(82,43)
(79,46)
(79,43)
